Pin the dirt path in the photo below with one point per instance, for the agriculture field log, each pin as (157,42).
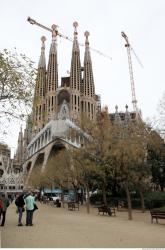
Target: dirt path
(58,227)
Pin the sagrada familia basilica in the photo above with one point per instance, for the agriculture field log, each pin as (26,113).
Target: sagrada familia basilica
(75,95)
(64,102)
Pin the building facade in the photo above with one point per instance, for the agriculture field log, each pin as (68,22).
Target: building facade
(69,99)
(11,181)
(76,93)
(5,158)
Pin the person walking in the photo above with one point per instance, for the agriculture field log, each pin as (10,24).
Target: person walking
(19,202)
(30,202)
(4,205)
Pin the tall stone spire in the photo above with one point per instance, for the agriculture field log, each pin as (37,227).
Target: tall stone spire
(88,104)
(75,76)
(88,81)
(19,152)
(52,71)
(40,91)
(52,78)
(75,72)
(41,76)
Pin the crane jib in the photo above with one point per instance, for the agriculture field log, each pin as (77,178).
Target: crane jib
(32,21)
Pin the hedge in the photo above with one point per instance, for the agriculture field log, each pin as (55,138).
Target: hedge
(151,200)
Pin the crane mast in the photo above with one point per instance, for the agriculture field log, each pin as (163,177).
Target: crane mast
(127,45)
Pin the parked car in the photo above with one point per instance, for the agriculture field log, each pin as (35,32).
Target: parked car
(52,197)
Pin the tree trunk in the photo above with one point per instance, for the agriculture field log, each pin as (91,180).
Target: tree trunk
(75,191)
(87,200)
(104,194)
(129,203)
(142,201)
(62,198)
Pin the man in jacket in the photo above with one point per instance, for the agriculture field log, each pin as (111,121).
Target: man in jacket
(29,201)
(19,202)
(5,203)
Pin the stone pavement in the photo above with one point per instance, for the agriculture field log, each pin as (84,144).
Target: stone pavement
(60,228)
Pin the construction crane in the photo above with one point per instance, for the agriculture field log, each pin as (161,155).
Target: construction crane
(129,48)
(54,29)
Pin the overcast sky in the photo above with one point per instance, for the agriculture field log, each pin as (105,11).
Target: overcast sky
(142,20)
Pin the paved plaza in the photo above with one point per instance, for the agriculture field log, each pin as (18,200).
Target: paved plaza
(58,227)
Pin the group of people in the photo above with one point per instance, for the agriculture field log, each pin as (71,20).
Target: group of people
(22,201)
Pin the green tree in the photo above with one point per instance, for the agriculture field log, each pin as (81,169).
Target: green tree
(156,159)
(17,78)
(127,151)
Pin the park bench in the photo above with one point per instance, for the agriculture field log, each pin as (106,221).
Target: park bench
(121,204)
(157,215)
(107,210)
(73,206)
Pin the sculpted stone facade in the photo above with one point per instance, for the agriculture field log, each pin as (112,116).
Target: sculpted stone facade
(75,95)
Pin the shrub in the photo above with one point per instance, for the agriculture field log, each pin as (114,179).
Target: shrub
(151,200)
(96,198)
(154,199)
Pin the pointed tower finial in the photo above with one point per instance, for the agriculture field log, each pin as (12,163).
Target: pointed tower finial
(127,115)
(75,40)
(42,63)
(54,30)
(126,106)
(53,47)
(43,39)
(117,116)
(75,25)
(86,34)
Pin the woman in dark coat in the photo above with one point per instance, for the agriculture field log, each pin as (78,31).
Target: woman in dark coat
(4,205)
(19,202)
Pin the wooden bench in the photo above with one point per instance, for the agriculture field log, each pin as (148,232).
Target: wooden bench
(157,215)
(73,206)
(107,210)
(121,205)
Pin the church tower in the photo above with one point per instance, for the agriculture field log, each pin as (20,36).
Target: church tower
(75,77)
(19,153)
(40,91)
(52,79)
(88,103)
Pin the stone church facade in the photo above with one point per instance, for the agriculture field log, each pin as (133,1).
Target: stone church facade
(75,95)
